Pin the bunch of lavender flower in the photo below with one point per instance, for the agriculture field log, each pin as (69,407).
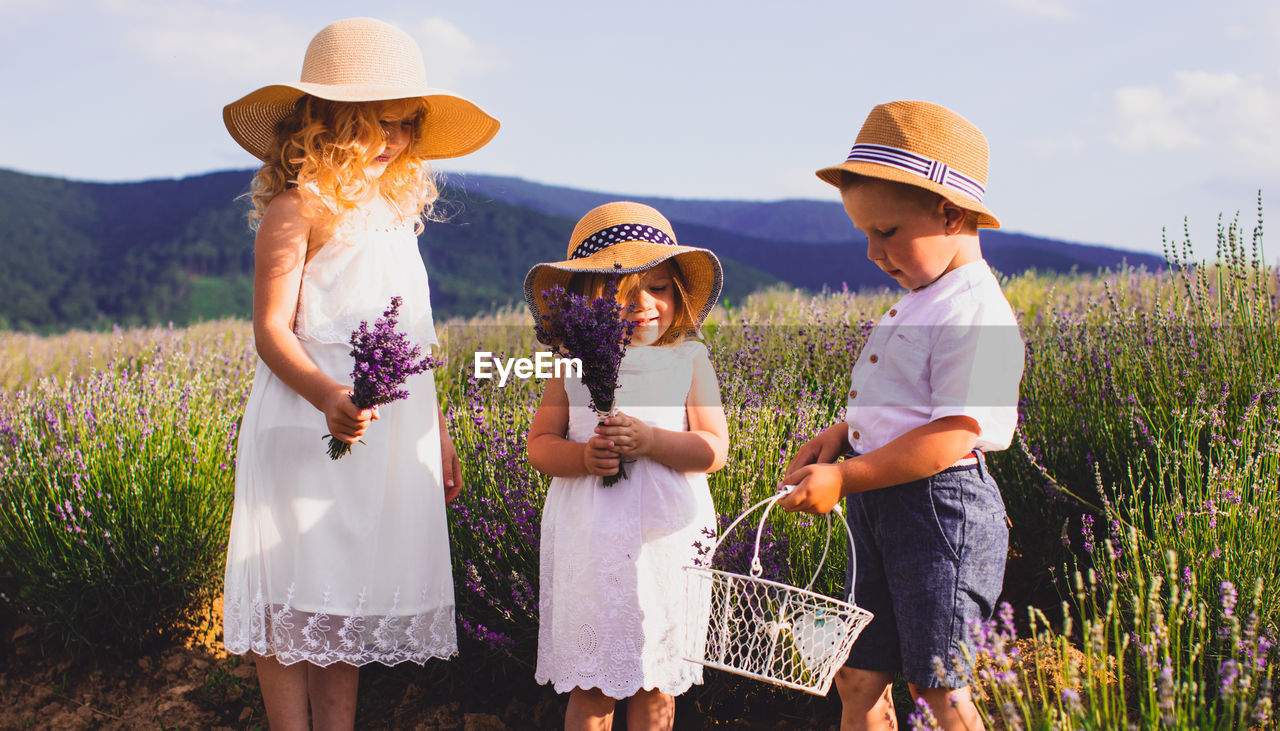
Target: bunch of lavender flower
(596,333)
(384,360)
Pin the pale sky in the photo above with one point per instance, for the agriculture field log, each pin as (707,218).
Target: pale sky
(1107,120)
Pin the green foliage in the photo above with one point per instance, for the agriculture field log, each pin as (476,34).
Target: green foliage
(90,255)
(115,492)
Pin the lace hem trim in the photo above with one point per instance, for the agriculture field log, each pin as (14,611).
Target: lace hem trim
(323,638)
(289,658)
(619,691)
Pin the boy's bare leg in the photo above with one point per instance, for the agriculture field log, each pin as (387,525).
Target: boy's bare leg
(651,709)
(957,713)
(866,697)
(589,710)
(333,696)
(284,693)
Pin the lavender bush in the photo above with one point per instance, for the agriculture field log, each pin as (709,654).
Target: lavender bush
(384,361)
(1159,658)
(115,487)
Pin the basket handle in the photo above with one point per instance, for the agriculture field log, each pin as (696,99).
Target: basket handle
(757,569)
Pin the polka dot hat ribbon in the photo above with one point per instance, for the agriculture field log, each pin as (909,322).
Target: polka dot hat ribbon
(622,232)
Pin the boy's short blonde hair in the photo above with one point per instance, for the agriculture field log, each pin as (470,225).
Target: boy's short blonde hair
(925,199)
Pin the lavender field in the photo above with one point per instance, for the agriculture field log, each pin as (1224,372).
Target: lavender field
(1144,485)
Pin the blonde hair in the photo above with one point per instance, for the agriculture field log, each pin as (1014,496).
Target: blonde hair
(923,198)
(323,148)
(683,325)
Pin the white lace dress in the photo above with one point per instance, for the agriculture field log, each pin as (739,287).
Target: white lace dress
(347,560)
(613,610)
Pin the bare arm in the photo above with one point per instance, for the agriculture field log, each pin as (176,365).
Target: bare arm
(279,254)
(703,448)
(450,463)
(551,453)
(919,453)
(825,448)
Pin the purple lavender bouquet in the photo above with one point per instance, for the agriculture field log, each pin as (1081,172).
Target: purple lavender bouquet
(596,333)
(384,360)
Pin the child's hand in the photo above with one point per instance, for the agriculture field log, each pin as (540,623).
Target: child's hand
(818,487)
(599,458)
(822,449)
(630,436)
(346,422)
(451,464)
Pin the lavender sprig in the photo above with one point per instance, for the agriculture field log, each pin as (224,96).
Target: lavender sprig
(596,333)
(385,359)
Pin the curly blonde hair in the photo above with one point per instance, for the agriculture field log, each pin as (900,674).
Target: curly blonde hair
(323,148)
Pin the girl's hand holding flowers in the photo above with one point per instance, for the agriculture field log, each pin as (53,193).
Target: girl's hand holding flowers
(384,359)
(599,457)
(628,435)
(346,421)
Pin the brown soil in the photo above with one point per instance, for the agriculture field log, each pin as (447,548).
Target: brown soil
(196,685)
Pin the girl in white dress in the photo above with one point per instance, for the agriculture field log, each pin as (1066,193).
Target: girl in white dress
(335,564)
(614,617)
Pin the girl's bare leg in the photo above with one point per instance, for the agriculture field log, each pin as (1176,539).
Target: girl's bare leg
(651,709)
(284,693)
(333,696)
(589,710)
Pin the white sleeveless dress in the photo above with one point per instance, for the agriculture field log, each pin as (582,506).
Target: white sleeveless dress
(614,613)
(347,560)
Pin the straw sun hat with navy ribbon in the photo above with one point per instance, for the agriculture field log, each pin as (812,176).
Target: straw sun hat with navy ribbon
(622,238)
(363,60)
(924,145)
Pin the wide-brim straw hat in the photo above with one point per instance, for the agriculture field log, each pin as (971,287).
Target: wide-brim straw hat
(625,237)
(924,145)
(363,60)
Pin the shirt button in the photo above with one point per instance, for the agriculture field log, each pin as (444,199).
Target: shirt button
(893,313)
(874,358)
(853,394)
(857,435)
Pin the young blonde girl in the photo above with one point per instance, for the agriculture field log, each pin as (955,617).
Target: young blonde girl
(614,615)
(335,564)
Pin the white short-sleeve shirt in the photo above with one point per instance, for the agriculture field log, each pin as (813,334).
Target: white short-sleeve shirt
(950,348)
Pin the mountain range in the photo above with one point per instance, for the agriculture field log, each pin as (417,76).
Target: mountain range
(87,255)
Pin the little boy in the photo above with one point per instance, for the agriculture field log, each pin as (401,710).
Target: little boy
(935,386)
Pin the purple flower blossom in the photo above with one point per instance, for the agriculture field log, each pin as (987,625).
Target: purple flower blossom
(384,361)
(594,332)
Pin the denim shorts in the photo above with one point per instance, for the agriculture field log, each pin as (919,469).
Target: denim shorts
(930,560)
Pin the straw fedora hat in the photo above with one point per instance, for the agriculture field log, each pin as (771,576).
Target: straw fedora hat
(625,237)
(363,60)
(924,145)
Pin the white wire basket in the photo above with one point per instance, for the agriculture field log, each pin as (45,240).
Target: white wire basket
(769,631)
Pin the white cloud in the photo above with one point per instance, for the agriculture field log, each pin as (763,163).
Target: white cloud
(1266,25)
(1050,9)
(1236,115)
(197,42)
(450,54)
